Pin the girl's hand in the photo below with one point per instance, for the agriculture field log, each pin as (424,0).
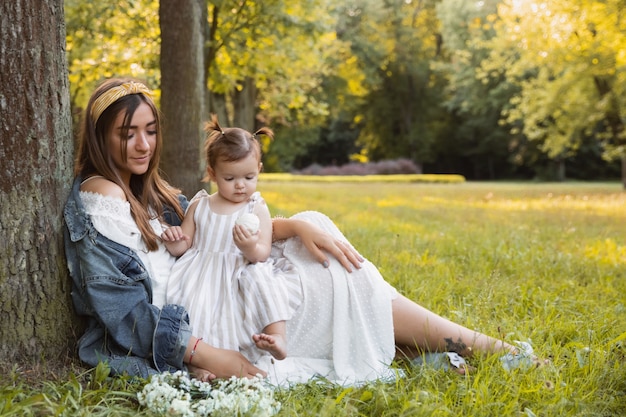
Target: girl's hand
(175,240)
(244,240)
(174,234)
(251,245)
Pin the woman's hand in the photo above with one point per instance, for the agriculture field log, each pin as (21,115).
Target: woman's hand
(225,363)
(209,362)
(317,241)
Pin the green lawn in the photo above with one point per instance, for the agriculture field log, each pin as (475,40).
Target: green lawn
(544,263)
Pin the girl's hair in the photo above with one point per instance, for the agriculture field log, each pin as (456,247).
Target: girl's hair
(148,193)
(231,143)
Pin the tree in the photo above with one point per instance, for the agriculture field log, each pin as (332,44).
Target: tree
(266,65)
(182,91)
(567,59)
(110,38)
(396,40)
(475,106)
(36,154)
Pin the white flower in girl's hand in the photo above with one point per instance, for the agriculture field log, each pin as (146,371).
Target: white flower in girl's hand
(250,221)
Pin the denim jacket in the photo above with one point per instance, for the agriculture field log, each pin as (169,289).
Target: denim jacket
(112,289)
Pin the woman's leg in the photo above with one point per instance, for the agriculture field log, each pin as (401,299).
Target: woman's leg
(417,329)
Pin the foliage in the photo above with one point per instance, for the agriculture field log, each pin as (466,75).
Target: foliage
(475,104)
(538,262)
(282,46)
(394,43)
(288,145)
(303,73)
(334,146)
(567,59)
(107,39)
(489,89)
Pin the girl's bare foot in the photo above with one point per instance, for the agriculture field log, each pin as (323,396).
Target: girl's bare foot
(273,343)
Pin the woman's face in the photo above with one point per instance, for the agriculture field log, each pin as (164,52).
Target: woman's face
(142,138)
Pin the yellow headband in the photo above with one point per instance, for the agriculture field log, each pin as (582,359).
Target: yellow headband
(114,94)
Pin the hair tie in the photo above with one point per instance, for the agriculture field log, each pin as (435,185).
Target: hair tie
(112,95)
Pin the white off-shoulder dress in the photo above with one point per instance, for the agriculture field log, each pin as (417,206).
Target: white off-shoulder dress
(111,217)
(343,328)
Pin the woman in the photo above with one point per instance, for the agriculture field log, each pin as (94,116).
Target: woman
(114,215)
(118,207)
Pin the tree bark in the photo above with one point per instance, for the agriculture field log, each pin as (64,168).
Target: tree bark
(244,105)
(217,105)
(612,117)
(624,171)
(183,92)
(36,152)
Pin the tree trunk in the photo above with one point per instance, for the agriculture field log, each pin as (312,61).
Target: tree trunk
(612,116)
(36,153)
(624,170)
(560,170)
(244,106)
(217,105)
(182,92)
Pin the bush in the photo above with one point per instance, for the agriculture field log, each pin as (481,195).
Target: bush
(387,167)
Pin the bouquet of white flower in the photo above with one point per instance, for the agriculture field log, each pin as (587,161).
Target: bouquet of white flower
(177,394)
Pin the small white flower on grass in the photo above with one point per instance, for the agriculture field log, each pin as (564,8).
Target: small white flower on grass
(176,394)
(181,408)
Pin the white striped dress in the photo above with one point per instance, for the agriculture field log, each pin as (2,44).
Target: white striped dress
(227,298)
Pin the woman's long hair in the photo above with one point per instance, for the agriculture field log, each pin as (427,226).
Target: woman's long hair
(148,193)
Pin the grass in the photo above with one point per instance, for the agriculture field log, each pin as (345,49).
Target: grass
(538,262)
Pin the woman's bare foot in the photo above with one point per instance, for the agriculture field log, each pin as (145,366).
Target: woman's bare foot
(273,343)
